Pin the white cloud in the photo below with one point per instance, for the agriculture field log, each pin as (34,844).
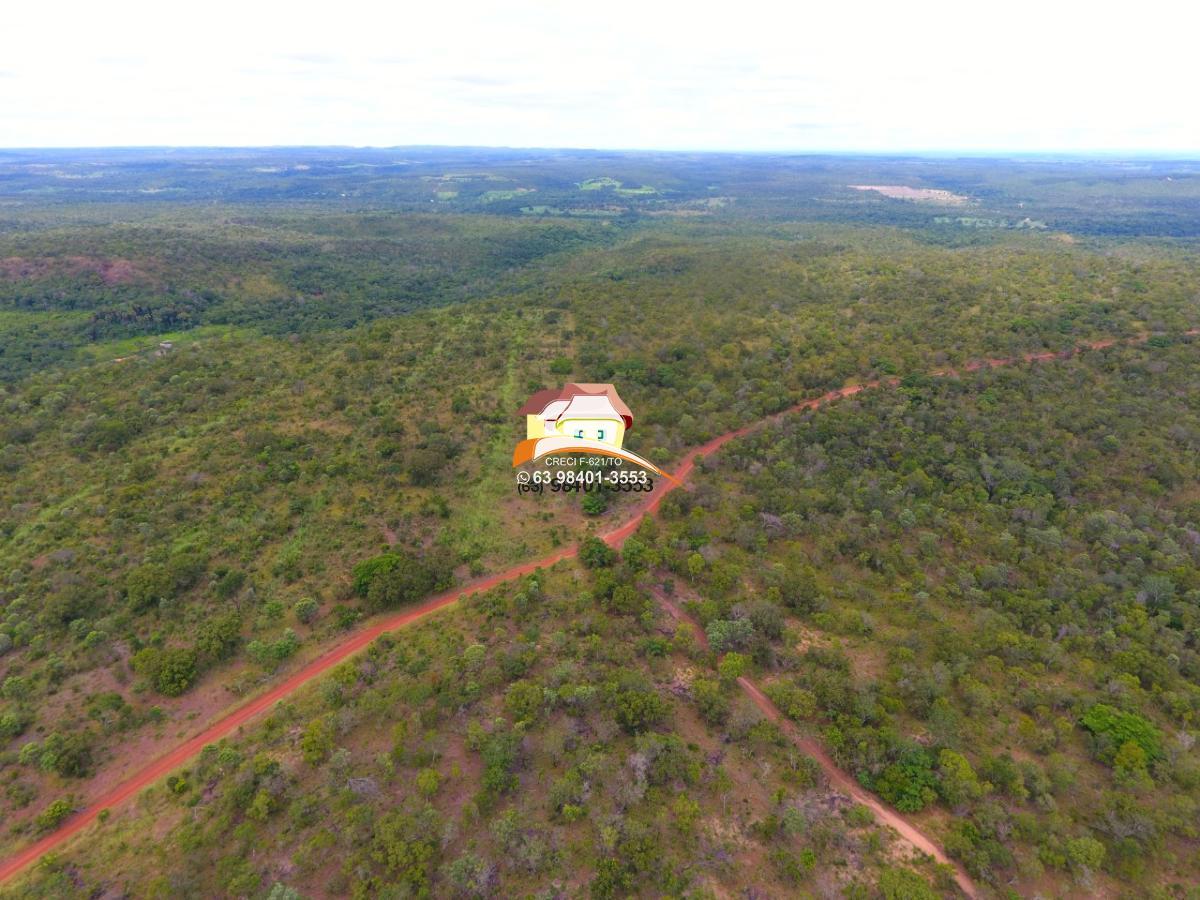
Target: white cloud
(753,75)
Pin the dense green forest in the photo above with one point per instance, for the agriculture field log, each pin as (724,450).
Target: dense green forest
(978,592)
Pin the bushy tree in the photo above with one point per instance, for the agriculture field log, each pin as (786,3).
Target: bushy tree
(317,741)
(710,700)
(176,671)
(219,636)
(637,707)
(393,579)
(957,781)
(523,700)
(306,610)
(148,585)
(909,783)
(1085,854)
(171,671)
(1113,728)
(730,634)
(595,554)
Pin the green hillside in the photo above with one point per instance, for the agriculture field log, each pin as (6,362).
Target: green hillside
(977,591)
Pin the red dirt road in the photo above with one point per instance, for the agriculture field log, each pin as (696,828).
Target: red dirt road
(225,726)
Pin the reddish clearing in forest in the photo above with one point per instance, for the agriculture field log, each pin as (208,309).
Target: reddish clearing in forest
(923,195)
(111,271)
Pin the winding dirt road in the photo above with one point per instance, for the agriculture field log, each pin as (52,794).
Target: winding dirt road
(225,726)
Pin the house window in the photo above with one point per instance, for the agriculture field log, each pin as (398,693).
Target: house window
(599,434)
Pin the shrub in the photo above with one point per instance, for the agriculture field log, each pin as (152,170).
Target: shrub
(54,815)
(428,782)
(317,742)
(306,610)
(1112,728)
(729,634)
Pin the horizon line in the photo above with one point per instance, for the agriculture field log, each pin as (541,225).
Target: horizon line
(920,152)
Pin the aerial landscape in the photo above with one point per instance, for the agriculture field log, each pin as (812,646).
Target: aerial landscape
(484,513)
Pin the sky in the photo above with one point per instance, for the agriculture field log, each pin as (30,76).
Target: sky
(967,76)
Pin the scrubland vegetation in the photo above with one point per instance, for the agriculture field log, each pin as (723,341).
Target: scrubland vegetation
(979,592)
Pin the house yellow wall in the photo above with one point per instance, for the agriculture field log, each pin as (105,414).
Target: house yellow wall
(535,427)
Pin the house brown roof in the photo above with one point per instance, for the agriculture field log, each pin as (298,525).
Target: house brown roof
(544,398)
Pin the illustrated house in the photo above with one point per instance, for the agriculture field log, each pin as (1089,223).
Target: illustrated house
(583,412)
(580,418)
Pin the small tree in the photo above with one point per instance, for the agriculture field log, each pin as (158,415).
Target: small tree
(595,554)
(176,671)
(732,667)
(317,742)
(957,781)
(710,700)
(428,782)
(523,701)
(637,709)
(1085,854)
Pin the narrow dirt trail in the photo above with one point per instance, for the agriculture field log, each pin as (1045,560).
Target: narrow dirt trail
(838,778)
(355,643)
(884,814)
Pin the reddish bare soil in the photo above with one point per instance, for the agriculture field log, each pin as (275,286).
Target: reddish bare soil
(616,537)
(904,192)
(111,271)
